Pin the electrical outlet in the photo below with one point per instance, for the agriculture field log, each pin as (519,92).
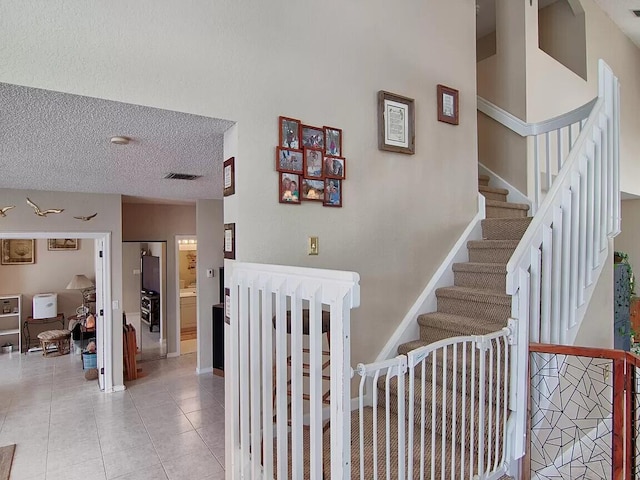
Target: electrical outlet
(313,246)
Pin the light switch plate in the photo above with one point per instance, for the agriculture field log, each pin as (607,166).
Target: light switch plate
(209,272)
(313,246)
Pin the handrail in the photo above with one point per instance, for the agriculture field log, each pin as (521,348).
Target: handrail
(525,129)
(580,351)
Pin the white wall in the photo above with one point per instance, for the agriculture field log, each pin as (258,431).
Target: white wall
(323,63)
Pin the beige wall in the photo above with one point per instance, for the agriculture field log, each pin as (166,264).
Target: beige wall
(627,241)
(50,273)
(234,60)
(161,223)
(108,220)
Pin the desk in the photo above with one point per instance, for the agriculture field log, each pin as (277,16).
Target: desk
(38,321)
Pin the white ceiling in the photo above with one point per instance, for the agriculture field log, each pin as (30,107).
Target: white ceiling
(57,141)
(618,10)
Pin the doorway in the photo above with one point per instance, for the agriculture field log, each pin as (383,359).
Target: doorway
(186,260)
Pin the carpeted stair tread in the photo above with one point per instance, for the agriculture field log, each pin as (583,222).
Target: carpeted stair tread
(478,267)
(505,228)
(511,205)
(458,325)
(474,303)
(492,193)
(492,244)
(491,251)
(483,179)
(476,294)
(490,276)
(499,209)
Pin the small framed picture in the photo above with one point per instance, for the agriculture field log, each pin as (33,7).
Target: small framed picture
(230,241)
(313,162)
(290,188)
(312,190)
(448,105)
(312,137)
(17,252)
(62,244)
(289,132)
(229,174)
(334,167)
(332,192)
(396,123)
(289,160)
(333,141)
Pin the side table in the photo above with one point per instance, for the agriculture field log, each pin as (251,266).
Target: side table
(38,321)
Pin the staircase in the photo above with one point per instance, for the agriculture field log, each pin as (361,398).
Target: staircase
(475,305)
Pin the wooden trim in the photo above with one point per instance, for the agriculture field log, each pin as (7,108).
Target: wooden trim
(618,434)
(578,351)
(630,373)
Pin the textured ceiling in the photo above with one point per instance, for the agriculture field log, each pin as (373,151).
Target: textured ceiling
(57,141)
(618,10)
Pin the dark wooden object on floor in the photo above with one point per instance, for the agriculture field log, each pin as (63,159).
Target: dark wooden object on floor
(130,350)
(6,459)
(218,339)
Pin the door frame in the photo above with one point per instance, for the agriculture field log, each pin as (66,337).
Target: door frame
(177,282)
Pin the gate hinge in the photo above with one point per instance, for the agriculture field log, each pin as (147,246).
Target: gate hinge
(512,325)
(102,371)
(100,254)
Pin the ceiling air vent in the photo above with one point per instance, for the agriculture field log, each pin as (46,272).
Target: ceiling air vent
(636,12)
(181,176)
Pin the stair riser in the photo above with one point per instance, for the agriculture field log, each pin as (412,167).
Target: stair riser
(495,282)
(508,230)
(501,197)
(467,308)
(431,334)
(490,255)
(498,212)
(484,181)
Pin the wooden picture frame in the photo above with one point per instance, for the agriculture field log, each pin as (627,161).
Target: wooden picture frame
(333,141)
(229,176)
(289,160)
(312,137)
(448,105)
(17,252)
(332,192)
(289,191)
(313,167)
(396,123)
(54,244)
(289,132)
(334,167)
(230,241)
(312,190)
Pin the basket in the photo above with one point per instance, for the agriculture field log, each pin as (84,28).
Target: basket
(89,360)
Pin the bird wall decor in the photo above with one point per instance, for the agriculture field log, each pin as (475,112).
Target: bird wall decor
(43,213)
(4,210)
(86,219)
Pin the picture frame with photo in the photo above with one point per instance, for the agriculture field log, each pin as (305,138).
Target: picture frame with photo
(333,141)
(289,160)
(332,192)
(54,244)
(313,158)
(290,188)
(334,167)
(312,190)
(396,123)
(312,137)
(17,252)
(448,105)
(289,132)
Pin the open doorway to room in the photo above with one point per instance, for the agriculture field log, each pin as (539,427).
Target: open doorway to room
(187,302)
(144,296)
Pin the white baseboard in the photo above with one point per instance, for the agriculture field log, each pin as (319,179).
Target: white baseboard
(202,371)
(515,195)
(173,355)
(443,277)
(118,388)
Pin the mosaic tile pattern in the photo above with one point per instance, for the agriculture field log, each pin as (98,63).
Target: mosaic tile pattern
(571,417)
(636,423)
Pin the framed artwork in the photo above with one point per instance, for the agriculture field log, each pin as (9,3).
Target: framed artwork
(333,141)
(62,244)
(229,175)
(313,162)
(334,167)
(230,241)
(448,105)
(332,192)
(289,132)
(396,123)
(312,190)
(289,160)
(290,188)
(312,137)
(17,252)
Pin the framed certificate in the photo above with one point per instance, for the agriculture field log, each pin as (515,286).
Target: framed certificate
(448,105)
(396,123)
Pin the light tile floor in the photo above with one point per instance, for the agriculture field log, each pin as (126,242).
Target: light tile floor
(168,425)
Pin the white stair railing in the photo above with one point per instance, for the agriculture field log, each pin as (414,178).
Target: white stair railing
(265,394)
(553,270)
(452,419)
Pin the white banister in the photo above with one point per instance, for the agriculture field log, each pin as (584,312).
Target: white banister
(269,400)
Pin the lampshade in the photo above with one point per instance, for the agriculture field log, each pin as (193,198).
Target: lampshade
(79,282)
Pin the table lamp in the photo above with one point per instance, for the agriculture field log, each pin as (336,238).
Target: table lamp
(82,283)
